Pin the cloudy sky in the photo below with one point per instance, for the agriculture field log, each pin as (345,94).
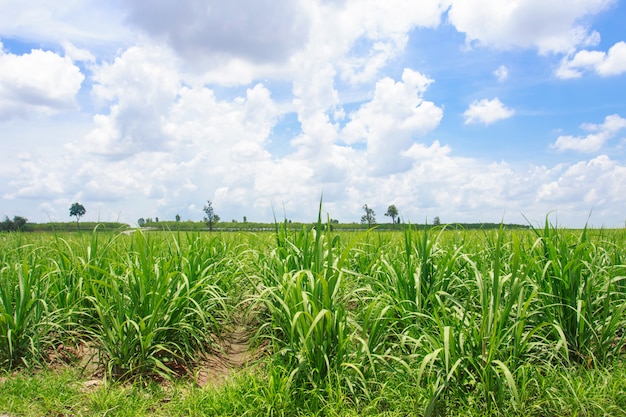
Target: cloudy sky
(470,110)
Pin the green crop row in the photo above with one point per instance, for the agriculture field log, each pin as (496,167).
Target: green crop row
(144,303)
(460,314)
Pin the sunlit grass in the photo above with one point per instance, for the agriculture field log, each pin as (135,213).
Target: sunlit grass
(427,322)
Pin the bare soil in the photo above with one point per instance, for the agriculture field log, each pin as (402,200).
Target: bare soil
(234,355)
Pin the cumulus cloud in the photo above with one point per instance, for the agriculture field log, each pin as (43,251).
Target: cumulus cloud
(191,111)
(36,178)
(259,30)
(594,141)
(224,135)
(137,87)
(25,88)
(86,22)
(487,111)
(549,26)
(376,32)
(358,38)
(605,64)
(77,54)
(170,142)
(391,119)
(502,73)
(588,180)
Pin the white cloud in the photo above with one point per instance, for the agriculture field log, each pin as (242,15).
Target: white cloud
(549,26)
(201,29)
(193,111)
(595,140)
(26,88)
(77,54)
(599,176)
(604,64)
(502,73)
(487,111)
(211,144)
(86,22)
(391,119)
(37,178)
(227,136)
(290,41)
(139,85)
(380,28)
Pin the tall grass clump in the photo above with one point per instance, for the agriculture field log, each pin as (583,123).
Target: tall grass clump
(73,265)
(26,324)
(151,319)
(217,255)
(426,321)
(582,292)
(464,316)
(415,272)
(307,322)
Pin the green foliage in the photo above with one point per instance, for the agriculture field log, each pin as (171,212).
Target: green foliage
(392,211)
(210,217)
(61,227)
(590,392)
(18,224)
(308,323)
(369,217)
(77,210)
(426,320)
(151,316)
(24,320)
(582,292)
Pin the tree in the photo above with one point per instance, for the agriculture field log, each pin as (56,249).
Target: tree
(19,222)
(436,221)
(369,217)
(392,212)
(177,218)
(14,225)
(78,211)
(6,225)
(211,218)
(141,222)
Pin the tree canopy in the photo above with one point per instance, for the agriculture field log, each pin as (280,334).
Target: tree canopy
(369,217)
(77,210)
(392,212)
(211,218)
(14,225)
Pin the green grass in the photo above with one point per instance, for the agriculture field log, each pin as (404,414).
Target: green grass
(152,317)
(427,322)
(26,321)
(593,392)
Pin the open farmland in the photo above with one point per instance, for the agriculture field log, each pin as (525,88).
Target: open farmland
(314,322)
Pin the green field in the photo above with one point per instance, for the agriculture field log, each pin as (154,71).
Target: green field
(314,322)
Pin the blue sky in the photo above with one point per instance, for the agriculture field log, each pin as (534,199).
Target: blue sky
(470,110)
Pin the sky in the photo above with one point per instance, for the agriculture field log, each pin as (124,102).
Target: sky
(467,110)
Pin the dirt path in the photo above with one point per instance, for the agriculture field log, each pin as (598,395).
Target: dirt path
(217,369)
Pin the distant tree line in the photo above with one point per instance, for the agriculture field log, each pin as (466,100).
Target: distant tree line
(367,221)
(212,221)
(17,224)
(20,224)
